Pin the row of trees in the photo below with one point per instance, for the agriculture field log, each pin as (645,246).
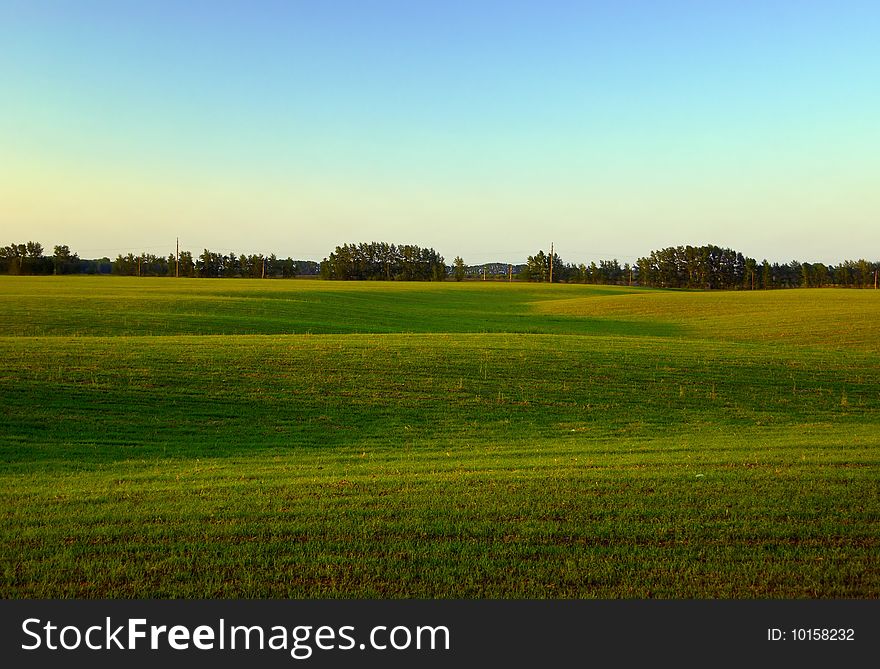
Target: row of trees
(147,264)
(211,264)
(696,267)
(609,272)
(713,267)
(384,262)
(704,267)
(701,267)
(28,258)
(849,273)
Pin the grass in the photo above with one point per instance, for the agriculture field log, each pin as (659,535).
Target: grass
(172,438)
(91,306)
(828,318)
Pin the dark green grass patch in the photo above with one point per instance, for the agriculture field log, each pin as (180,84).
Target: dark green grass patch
(775,520)
(436,466)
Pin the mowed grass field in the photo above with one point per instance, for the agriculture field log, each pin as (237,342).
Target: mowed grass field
(308,439)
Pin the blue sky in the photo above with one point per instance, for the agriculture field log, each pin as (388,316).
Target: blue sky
(483,129)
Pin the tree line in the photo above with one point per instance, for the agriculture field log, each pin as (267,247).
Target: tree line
(608,272)
(704,267)
(697,267)
(384,262)
(213,265)
(28,258)
(714,267)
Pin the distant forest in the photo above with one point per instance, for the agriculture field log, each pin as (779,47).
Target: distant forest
(382,261)
(29,259)
(705,267)
(697,267)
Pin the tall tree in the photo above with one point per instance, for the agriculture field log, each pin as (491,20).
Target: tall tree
(459,269)
(63,260)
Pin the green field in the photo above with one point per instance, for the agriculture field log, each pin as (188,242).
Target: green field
(308,439)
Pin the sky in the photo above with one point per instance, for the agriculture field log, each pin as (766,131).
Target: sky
(484,129)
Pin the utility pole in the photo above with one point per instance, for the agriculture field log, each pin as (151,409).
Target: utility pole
(177,258)
(264,269)
(551,262)
(139,265)
(875,279)
(510,274)
(484,272)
